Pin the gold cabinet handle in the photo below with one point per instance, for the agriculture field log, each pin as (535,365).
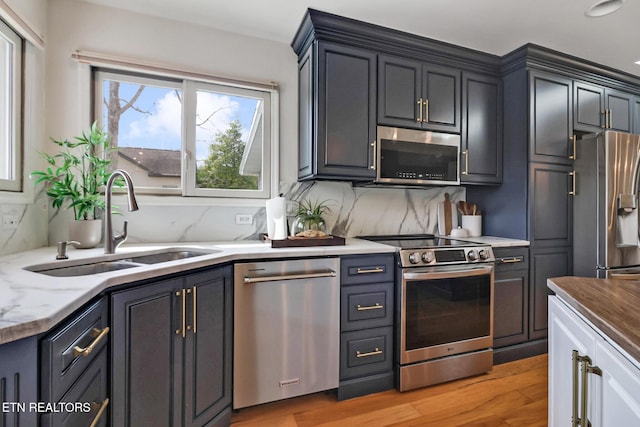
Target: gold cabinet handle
(426,110)
(369,307)
(573,138)
(419,120)
(573,176)
(103,407)
(604,126)
(465,153)
(610,119)
(375,159)
(183,294)
(509,260)
(581,391)
(195,305)
(370,270)
(574,388)
(98,336)
(376,352)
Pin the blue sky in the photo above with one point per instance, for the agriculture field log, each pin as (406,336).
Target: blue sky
(161,128)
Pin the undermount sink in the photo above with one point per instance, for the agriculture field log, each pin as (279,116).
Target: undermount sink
(102,265)
(86,269)
(173,255)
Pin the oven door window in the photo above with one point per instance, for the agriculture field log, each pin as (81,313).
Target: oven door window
(440,311)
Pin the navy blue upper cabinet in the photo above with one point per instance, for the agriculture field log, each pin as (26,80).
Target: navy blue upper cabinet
(418,95)
(597,108)
(337,105)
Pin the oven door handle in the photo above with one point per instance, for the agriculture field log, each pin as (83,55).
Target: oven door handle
(445,274)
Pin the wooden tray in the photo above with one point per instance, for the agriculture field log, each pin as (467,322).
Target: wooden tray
(291,242)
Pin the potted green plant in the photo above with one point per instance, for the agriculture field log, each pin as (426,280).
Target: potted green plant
(73,179)
(309,221)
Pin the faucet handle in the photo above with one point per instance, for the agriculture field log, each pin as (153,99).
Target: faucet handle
(62,248)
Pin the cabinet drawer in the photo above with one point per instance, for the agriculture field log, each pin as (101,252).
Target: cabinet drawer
(86,401)
(366,352)
(61,362)
(366,306)
(366,269)
(509,259)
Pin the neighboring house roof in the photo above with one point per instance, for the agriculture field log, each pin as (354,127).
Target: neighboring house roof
(159,163)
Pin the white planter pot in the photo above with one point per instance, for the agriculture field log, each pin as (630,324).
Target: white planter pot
(87,233)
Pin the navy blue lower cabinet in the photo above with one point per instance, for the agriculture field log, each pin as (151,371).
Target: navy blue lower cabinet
(366,325)
(171,351)
(19,382)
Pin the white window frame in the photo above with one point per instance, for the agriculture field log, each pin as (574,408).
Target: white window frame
(13,116)
(189,86)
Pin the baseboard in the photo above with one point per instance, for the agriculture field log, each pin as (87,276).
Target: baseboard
(366,385)
(519,351)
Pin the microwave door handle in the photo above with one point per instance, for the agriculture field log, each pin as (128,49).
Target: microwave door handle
(442,274)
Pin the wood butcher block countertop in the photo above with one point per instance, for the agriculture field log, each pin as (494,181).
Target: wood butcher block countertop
(613,306)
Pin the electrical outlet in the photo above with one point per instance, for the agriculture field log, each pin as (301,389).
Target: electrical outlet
(10,222)
(244,219)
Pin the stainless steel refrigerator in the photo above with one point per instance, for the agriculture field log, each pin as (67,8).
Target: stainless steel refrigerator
(605,209)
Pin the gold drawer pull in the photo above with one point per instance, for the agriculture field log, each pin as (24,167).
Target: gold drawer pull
(370,270)
(98,335)
(369,307)
(376,352)
(103,406)
(510,260)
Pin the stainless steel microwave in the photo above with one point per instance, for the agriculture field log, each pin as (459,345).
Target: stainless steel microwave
(417,157)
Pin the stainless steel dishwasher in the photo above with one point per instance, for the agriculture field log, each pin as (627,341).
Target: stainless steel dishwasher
(286,329)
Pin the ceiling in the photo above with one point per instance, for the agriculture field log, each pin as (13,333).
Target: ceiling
(493,26)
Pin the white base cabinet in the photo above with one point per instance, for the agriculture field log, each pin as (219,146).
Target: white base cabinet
(610,388)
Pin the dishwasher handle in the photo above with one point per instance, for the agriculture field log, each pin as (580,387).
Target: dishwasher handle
(279,278)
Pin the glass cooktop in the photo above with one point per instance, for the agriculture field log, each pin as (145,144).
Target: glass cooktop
(419,241)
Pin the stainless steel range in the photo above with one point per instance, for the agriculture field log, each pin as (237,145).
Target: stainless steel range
(444,310)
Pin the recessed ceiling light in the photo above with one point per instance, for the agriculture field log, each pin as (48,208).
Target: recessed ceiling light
(604,7)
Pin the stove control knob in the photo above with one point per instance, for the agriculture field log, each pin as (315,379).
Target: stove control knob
(483,254)
(472,255)
(414,258)
(427,257)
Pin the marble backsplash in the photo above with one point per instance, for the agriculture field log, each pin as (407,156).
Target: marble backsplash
(355,211)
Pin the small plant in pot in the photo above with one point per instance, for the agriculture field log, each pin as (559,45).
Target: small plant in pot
(309,221)
(73,179)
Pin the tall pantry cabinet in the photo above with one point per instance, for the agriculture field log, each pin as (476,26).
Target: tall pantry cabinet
(534,201)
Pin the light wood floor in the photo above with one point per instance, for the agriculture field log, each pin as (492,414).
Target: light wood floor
(513,394)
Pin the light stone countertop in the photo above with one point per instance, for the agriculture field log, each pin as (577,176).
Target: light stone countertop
(32,303)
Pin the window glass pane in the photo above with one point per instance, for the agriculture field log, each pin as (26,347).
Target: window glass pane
(10,108)
(229,140)
(145,122)
(6,60)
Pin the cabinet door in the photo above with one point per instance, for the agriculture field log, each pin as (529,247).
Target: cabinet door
(620,395)
(441,90)
(551,205)
(146,355)
(481,129)
(551,118)
(399,83)
(19,382)
(511,312)
(207,375)
(545,263)
(636,115)
(620,107)
(566,333)
(346,99)
(588,107)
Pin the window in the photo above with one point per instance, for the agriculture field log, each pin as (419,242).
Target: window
(10,107)
(187,137)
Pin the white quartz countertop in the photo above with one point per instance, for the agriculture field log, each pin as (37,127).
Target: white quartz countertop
(497,242)
(32,303)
